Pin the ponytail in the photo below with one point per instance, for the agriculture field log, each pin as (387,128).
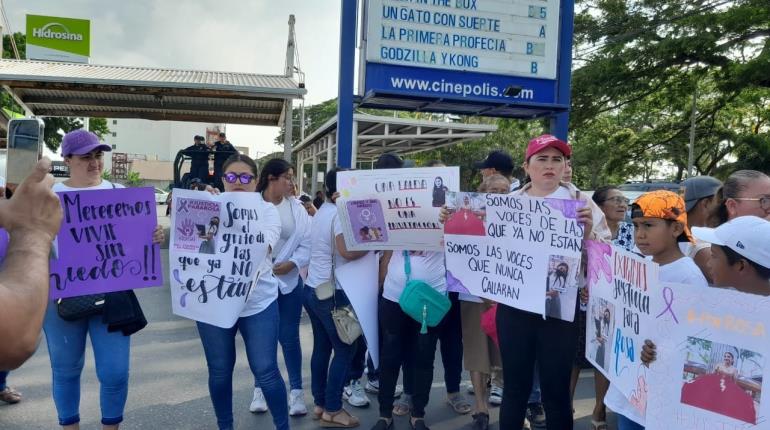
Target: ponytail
(275,167)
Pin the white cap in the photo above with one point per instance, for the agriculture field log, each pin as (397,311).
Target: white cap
(749,236)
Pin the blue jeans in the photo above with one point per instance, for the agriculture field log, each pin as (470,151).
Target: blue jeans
(327,381)
(260,335)
(290,310)
(3,376)
(67,346)
(627,424)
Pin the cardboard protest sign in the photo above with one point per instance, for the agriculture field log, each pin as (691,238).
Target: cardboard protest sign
(521,251)
(712,360)
(394,208)
(620,286)
(4,239)
(105,243)
(358,278)
(215,251)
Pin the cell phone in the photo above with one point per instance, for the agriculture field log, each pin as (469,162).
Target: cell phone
(25,148)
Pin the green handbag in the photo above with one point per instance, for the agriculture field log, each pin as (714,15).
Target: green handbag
(421,302)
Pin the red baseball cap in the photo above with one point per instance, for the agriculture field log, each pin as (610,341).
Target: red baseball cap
(547,141)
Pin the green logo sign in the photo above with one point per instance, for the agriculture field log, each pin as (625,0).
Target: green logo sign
(62,35)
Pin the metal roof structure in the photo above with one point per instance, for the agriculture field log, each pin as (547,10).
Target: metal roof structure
(45,88)
(376,135)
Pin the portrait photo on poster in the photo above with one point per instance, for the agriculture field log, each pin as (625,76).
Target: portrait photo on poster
(561,286)
(467,213)
(723,379)
(197,227)
(601,321)
(439,192)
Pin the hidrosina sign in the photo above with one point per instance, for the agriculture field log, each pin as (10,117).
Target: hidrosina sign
(463,48)
(58,39)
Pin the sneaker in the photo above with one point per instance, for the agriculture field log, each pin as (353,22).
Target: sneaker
(373,387)
(297,403)
(355,394)
(536,414)
(495,395)
(527,426)
(258,403)
(471,391)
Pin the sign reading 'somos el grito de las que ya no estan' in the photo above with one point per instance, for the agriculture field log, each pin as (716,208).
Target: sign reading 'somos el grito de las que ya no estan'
(58,39)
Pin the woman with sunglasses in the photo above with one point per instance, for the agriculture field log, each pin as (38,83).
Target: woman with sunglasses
(258,322)
(84,155)
(276,182)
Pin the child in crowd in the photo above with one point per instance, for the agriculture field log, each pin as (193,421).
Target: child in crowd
(660,224)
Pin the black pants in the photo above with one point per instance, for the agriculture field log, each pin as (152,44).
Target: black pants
(450,337)
(359,360)
(525,338)
(403,343)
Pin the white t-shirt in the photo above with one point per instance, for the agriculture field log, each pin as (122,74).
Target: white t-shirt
(287,224)
(426,266)
(104,185)
(265,290)
(682,271)
(692,249)
(322,246)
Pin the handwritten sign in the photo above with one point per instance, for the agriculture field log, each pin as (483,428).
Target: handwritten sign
(394,208)
(520,251)
(621,285)
(712,359)
(215,250)
(105,243)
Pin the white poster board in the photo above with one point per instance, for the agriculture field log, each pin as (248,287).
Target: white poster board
(392,209)
(712,360)
(359,280)
(620,286)
(215,251)
(521,251)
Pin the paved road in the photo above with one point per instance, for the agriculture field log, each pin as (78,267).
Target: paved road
(168,384)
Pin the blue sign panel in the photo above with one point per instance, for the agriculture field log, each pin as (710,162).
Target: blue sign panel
(450,84)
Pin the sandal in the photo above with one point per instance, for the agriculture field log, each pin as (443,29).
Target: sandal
(480,421)
(339,419)
(459,403)
(402,406)
(599,425)
(383,424)
(10,396)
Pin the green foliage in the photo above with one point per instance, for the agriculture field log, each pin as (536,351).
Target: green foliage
(21,45)
(133,180)
(106,175)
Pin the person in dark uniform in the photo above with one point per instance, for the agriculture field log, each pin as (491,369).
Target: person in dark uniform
(199,159)
(223,149)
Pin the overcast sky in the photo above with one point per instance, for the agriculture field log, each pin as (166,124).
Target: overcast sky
(228,35)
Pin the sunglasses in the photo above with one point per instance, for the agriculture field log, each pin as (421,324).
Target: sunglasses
(231,178)
(618,200)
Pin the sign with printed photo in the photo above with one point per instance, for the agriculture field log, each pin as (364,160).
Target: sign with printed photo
(712,360)
(216,248)
(521,251)
(105,243)
(394,208)
(620,286)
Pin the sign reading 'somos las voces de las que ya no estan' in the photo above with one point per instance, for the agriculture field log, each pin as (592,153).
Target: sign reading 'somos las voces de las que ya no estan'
(58,39)
(501,37)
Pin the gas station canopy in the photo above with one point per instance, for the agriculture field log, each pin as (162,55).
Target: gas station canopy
(85,90)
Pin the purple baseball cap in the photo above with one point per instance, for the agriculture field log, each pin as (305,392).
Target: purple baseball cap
(81,142)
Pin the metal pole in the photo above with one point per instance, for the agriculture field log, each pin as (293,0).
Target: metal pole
(691,149)
(560,122)
(288,123)
(345,89)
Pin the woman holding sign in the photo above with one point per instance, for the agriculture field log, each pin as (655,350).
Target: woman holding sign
(526,338)
(258,322)
(291,252)
(84,155)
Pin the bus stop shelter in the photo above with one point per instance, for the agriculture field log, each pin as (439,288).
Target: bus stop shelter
(45,88)
(376,135)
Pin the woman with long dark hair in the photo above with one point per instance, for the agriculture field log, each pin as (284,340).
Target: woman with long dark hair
(259,320)
(276,181)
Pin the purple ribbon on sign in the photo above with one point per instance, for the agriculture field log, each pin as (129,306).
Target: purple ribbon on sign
(668,297)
